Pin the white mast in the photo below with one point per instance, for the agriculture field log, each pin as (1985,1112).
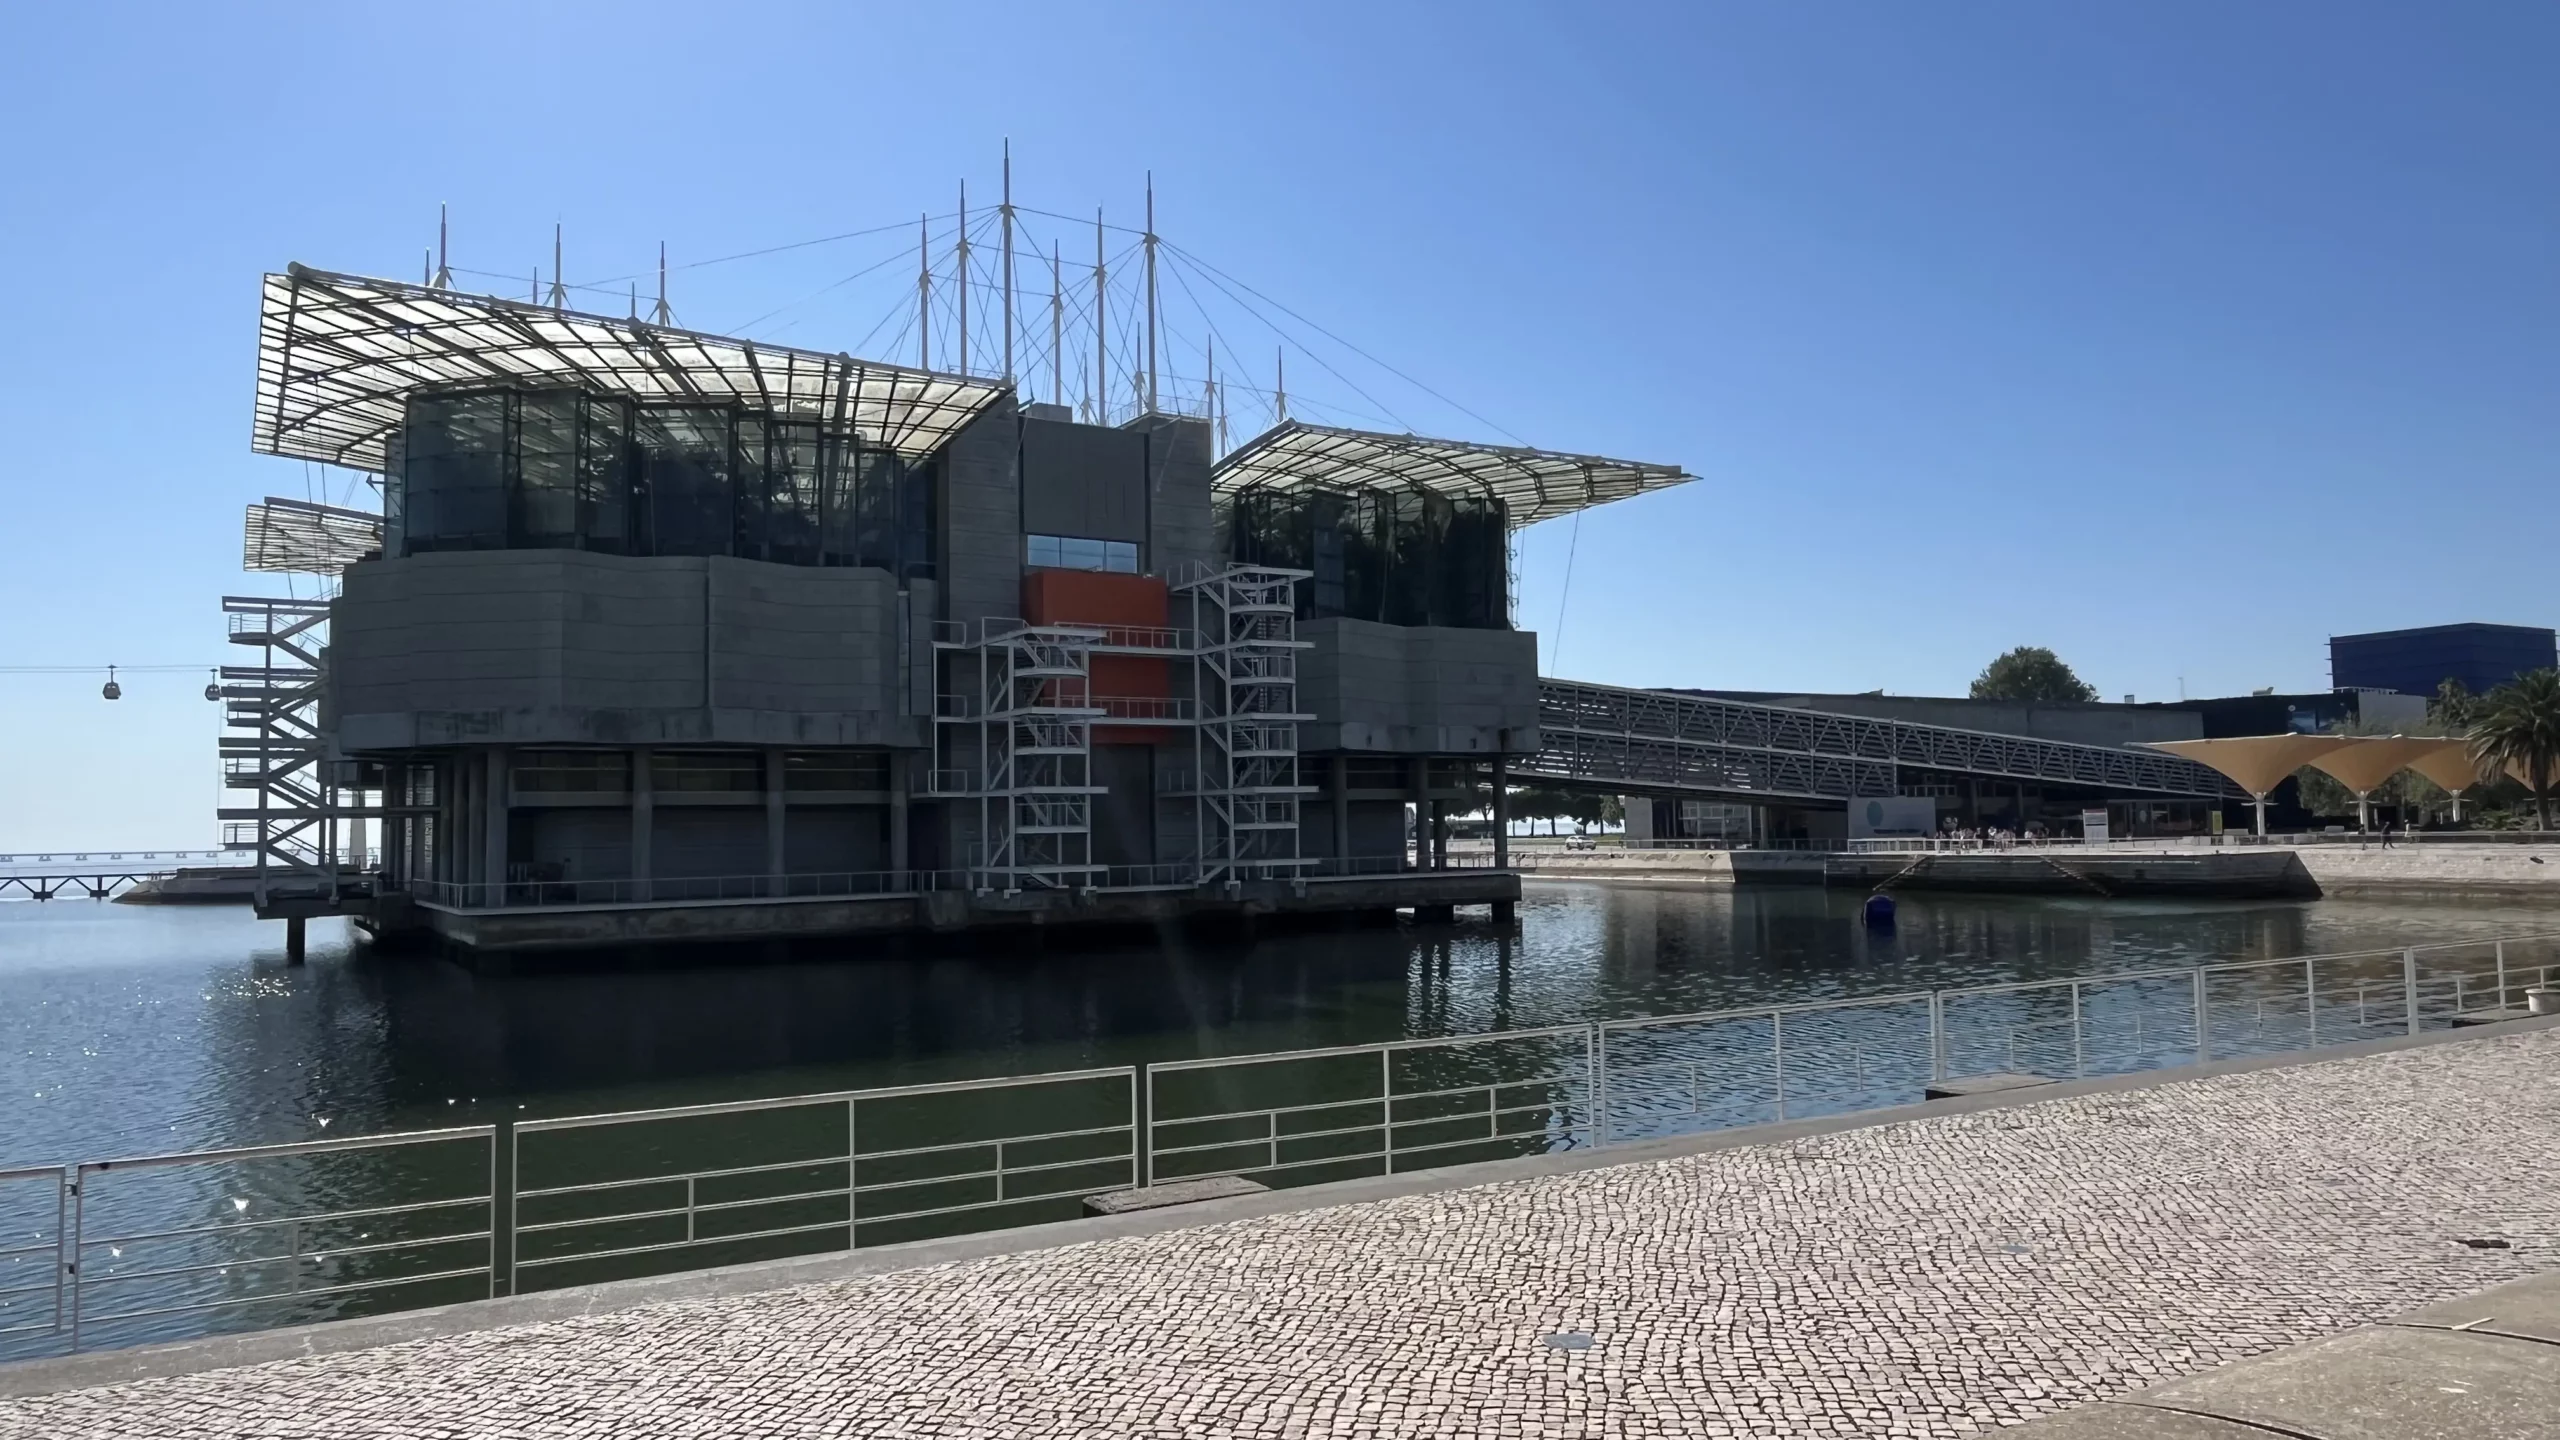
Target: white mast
(1280,391)
(1151,292)
(1209,393)
(961,266)
(559,292)
(1101,386)
(444,272)
(924,296)
(1007,210)
(1057,329)
(662,315)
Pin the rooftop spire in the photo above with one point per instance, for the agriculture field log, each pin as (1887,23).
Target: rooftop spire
(662,315)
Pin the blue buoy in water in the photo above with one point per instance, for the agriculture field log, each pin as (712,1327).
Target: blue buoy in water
(1879,912)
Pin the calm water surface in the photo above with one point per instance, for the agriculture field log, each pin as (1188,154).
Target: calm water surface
(129,1030)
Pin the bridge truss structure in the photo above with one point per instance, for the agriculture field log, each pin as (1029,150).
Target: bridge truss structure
(1605,736)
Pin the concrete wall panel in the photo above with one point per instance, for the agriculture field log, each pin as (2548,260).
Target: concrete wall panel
(980,565)
(1084,481)
(835,840)
(1418,690)
(561,647)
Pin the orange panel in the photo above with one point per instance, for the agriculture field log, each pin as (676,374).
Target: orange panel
(1094,597)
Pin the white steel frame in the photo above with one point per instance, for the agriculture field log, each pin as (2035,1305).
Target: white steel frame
(282,756)
(1244,676)
(1032,716)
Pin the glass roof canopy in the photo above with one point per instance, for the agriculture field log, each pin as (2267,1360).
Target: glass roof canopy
(299,537)
(1533,485)
(338,354)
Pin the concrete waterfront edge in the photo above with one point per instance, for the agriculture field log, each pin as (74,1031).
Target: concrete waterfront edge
(47,1375)
(2485,1365)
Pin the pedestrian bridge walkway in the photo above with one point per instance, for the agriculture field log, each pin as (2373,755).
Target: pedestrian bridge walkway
(1609,737)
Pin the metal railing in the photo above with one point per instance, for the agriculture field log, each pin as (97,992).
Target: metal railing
(91,859)
(297,1232)
(32,1275)
(1678,1073)
(1169,708)
(272,1234)
(1350,1107)
(809,1173)
(511,894)
(883,884)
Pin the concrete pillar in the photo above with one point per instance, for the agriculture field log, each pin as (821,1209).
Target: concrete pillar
(1418,785)
(1438,833)
(495,770)
(643,824)
(1342,814)
(775,862)
(901,789)
(1501,818)
(293,939)
(467,831)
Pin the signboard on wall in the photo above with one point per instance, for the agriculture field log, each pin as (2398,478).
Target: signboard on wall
(2093,826)
(1892,815)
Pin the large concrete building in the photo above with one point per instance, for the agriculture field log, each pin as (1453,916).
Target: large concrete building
(662,634)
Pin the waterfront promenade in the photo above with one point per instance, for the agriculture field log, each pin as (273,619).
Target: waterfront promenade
(1928,1277)
(2338,868)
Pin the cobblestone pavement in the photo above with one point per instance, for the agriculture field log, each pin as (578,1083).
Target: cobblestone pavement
(1918,1279)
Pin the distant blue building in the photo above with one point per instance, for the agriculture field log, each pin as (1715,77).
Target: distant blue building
(2415,662)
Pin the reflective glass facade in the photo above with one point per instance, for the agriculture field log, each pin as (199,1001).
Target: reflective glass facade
(569,469)
(1066,552)
(1401,557)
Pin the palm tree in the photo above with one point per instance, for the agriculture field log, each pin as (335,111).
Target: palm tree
(2517,730)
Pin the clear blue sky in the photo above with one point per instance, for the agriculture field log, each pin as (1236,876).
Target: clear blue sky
(2175,336)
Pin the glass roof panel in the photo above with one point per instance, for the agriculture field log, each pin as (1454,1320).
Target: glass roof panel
(1533,485)
(338,355)
(298,537)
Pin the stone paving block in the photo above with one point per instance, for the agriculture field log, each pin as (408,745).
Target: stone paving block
(2527,1310)
(2386,1382)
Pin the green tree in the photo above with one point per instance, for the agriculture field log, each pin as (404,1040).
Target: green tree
(1534,803)
(2030,672)
(2517,730)
(2454,706)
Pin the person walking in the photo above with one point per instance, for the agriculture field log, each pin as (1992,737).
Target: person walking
(2386,833)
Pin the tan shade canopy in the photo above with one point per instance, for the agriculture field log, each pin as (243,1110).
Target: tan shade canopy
(2449,765)
(2367,761)
(2255,763)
